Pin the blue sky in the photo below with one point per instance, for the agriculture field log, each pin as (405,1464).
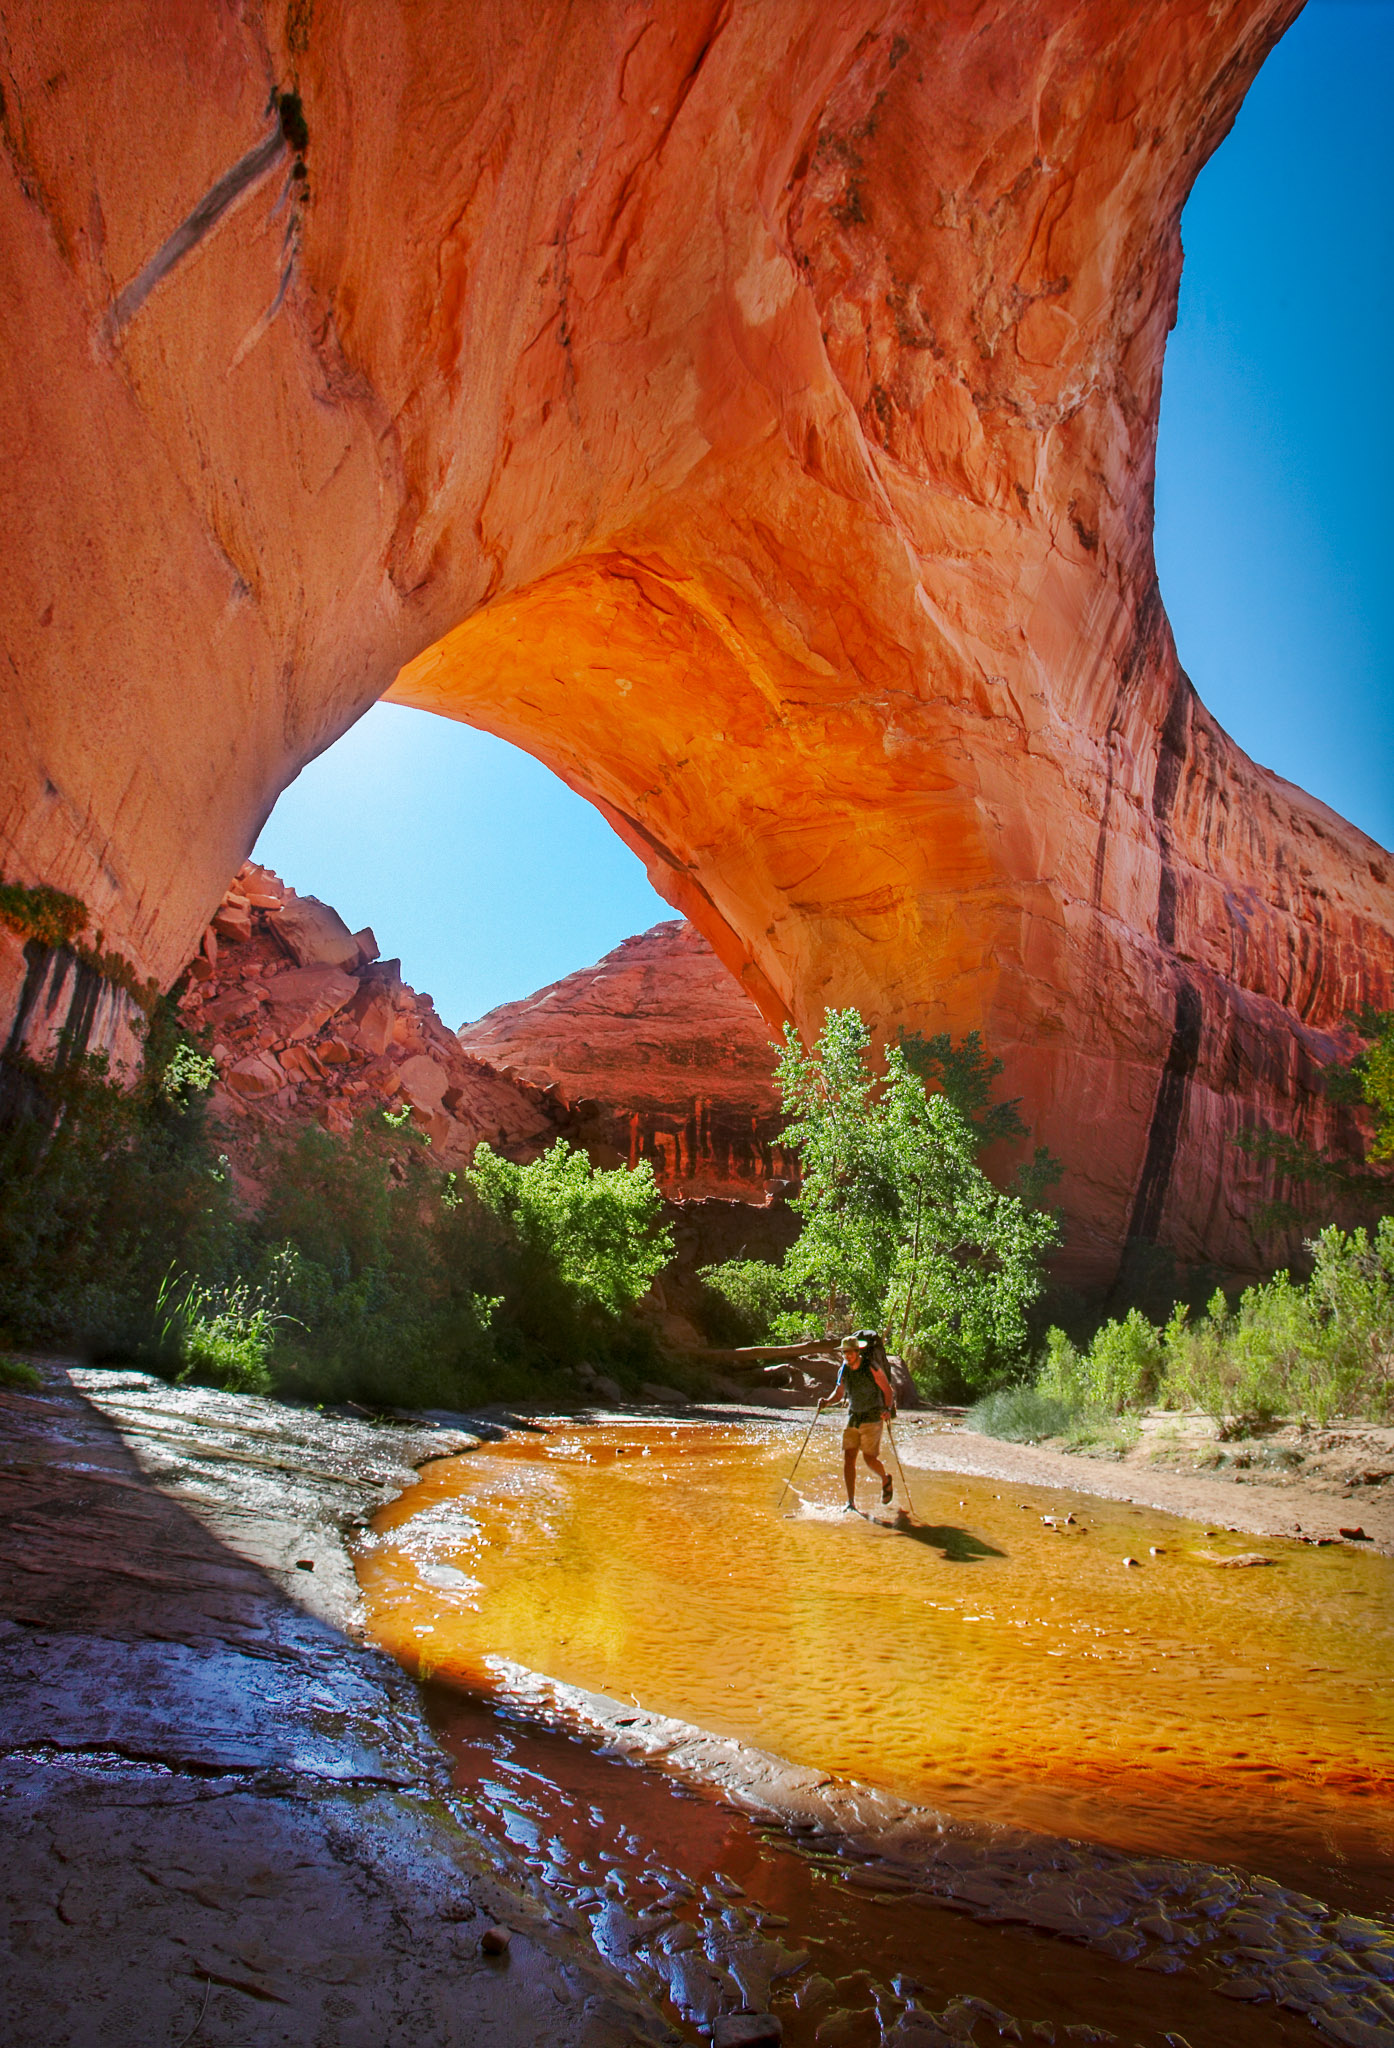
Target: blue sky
(1276,458)
(1275,473)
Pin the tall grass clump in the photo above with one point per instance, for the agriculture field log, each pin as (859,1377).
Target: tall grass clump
(1022,1415)
(218,1336)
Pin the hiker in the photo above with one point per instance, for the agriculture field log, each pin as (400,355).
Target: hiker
(867,1392)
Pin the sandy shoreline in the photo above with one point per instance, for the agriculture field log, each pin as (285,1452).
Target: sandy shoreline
(1294,1503)
(1290,1505)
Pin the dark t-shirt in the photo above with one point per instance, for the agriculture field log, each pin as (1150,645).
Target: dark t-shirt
(866,1402)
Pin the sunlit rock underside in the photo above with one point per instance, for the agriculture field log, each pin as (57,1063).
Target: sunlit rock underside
(746,406)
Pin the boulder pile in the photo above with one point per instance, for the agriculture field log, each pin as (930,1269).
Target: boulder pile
(306,1023)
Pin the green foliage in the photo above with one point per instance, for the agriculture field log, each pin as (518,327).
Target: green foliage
(100,1192)
(1365,1082)
(364,1275)
(965,1074)
(44,914)
(363,1249)
(15,1373)
(220,1336)
(1121,1368)
(598,1230)
(55,920)
(1021,1415)
(902,1230)
(187,1073)
(753,1294)
(1369,1078)
(840,1267)
(1314,1351)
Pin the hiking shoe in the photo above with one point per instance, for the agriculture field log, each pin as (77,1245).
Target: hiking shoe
(887,1489)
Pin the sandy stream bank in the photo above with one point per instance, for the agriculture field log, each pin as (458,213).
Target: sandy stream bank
(227,1816)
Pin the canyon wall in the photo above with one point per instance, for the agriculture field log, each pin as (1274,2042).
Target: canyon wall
(746,406)
(659,1056)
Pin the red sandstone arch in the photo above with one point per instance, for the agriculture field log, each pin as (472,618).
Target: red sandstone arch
(749,407)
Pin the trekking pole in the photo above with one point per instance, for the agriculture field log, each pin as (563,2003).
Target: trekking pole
(795,1466)
(900,1466)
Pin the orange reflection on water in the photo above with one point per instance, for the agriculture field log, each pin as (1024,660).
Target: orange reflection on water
(984,1662)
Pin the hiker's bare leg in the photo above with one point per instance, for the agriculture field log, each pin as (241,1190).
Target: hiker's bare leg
(849,1473)
(882,1474)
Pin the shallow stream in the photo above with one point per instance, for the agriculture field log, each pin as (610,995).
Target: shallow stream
(992,1660)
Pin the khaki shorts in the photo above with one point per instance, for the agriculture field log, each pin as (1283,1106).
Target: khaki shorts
(864,1437)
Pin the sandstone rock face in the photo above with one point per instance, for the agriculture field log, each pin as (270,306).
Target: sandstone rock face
(748,407)
(657,1054)
(291,1048)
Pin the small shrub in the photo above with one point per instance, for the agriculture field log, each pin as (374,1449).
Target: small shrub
(1121,1369)
(599,1228)
(15,1373)
(1126,1361)
(1021,1415)
(752,1293)
(1062,1373)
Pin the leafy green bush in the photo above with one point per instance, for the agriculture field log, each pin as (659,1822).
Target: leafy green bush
(1199,1368)
(1021,1415)
(364,1274)
(754,1295)
(1316,1351)
(15,1373)
(1122,1367)
(599,1230)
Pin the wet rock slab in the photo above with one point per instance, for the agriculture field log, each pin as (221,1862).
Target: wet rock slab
(224,1813)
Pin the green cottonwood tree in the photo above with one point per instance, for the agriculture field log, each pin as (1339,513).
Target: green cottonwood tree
(901,1227)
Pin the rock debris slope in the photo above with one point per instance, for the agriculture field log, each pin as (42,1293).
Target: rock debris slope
(746,406)
(306,1023)
(660,1056)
